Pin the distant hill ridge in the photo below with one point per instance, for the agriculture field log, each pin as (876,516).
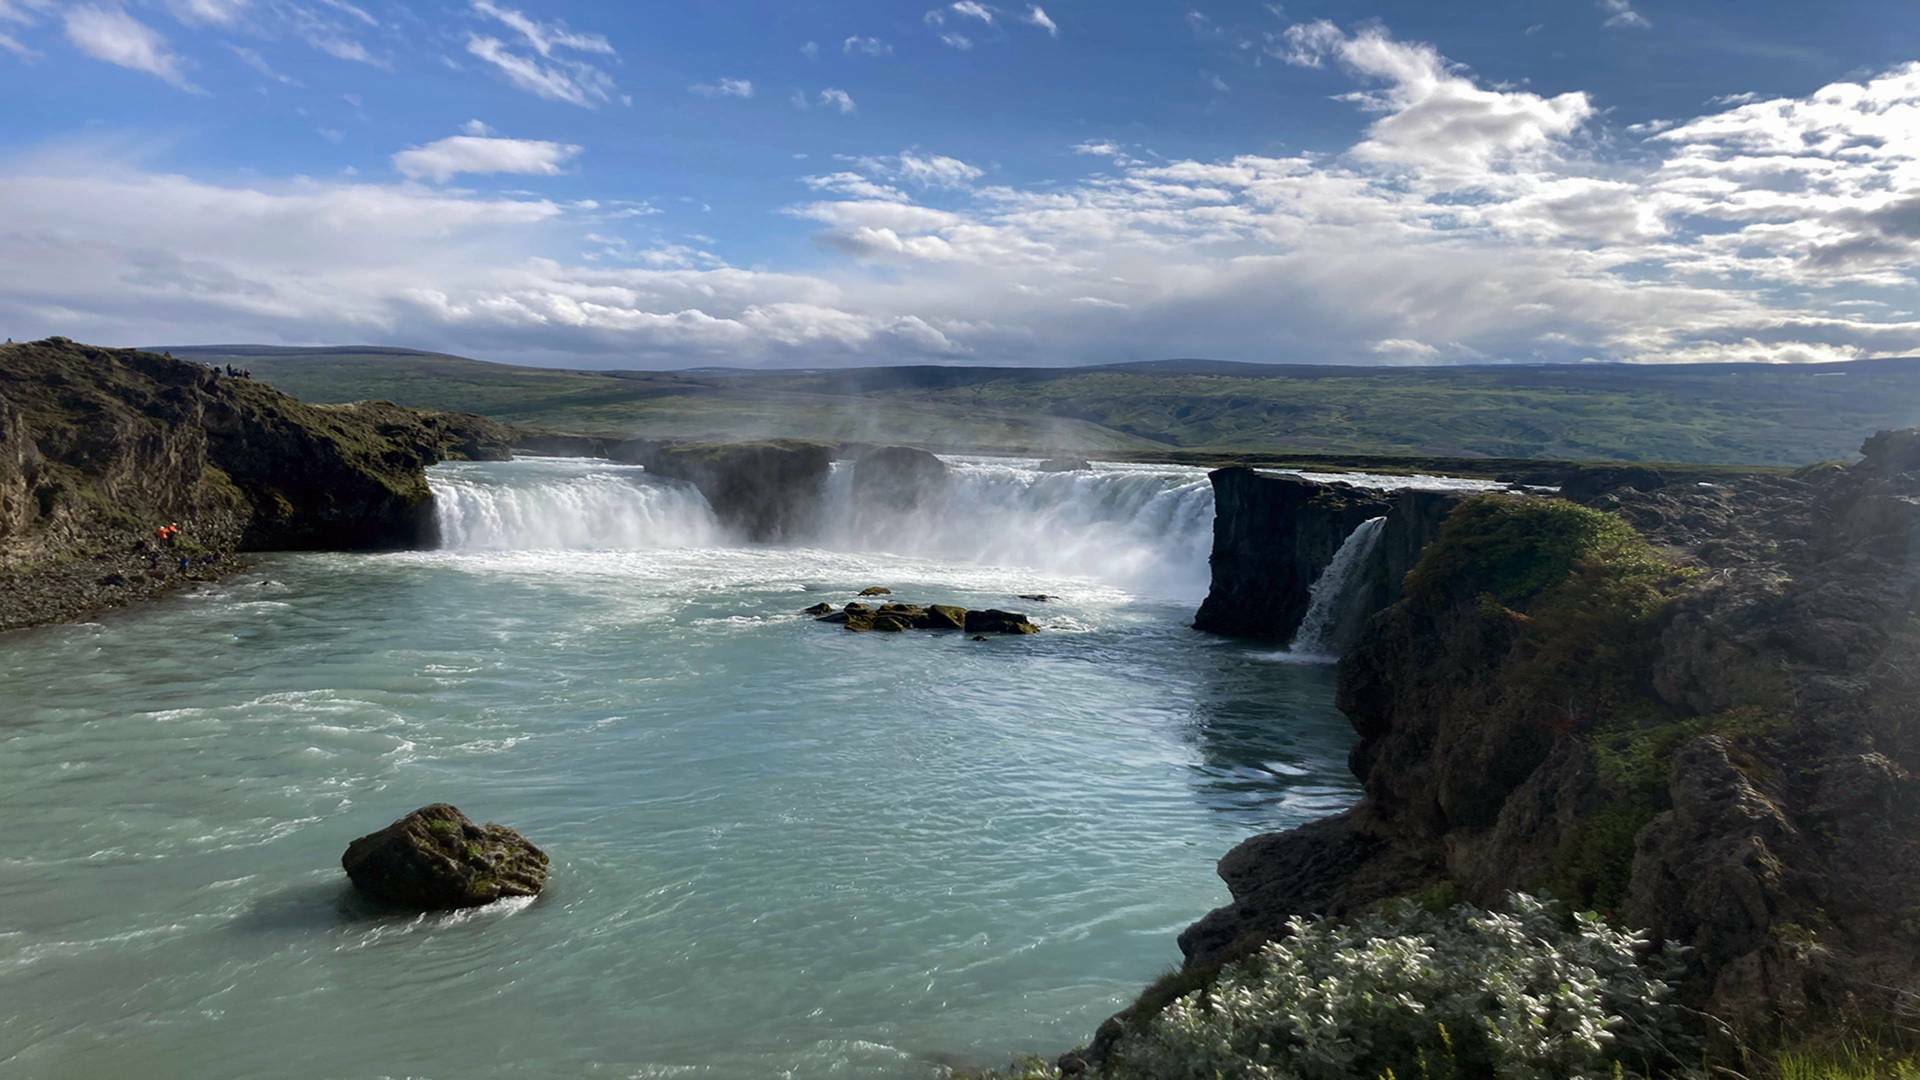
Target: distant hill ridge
(1735,413)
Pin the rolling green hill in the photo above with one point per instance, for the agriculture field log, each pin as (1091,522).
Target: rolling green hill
(1710,413)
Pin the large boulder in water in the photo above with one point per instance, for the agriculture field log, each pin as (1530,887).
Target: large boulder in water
(765,489)
(436,858)
(899,478)
(994,621)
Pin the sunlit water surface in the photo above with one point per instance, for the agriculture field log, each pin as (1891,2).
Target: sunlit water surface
(780,849)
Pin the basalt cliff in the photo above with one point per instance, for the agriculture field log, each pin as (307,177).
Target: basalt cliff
(98,447)
(1689,706)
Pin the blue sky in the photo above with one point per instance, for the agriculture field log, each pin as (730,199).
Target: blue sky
(664,185)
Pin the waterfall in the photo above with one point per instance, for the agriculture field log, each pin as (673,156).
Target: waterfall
(1331,592)
(1145,528)
(565,504)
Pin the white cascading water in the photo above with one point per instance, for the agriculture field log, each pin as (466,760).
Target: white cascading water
(1148,529)
(573,504)
(1332,591)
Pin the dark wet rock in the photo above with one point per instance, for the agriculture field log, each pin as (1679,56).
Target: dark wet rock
(1038,598)
(1272,535)
(436,858)
(818,609)
(979,637)
(994,621)
(896,617)
(1588,482)
(899,478)
(766,490)
(876,590)
(1065,464)
(942,617)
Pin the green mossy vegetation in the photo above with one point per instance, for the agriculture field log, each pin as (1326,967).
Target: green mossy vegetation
(1586,595)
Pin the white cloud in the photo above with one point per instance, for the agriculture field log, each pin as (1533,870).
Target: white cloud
(972,9)
(837,99)
(1433,117)
(958,41)
(12,45)
(1781,229)
(1620,15)
(811,50)
(208,12)
(259,64)
(925,170)
(545,38)
(545,71)
(23,12)
(865,46)
(1037,16)
(576,84)
(738,88)
(479,152)
(118,38)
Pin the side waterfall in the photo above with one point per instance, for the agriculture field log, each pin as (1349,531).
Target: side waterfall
(1332,591)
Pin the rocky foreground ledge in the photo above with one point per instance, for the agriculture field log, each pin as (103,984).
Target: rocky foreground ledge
(98,447)
(1691,707)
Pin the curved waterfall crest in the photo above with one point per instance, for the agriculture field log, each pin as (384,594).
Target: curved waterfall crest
(1143,528)
(1332,592)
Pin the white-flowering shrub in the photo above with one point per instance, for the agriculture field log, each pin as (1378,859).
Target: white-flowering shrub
(1524,994)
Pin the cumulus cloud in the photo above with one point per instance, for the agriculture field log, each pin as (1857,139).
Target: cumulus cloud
(1433,116)
(1781,229)
(837,99)
(865,46)
(112,35)
(480,152)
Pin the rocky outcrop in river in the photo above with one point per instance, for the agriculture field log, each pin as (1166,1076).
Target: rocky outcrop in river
(98,447)
(767,490)
(1274,535)
(1688,706)
(436,858)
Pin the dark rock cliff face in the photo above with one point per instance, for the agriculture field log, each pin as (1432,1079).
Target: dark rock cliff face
(1703,724)
(766,490)
(899,478)
(1274,534)
(99,446)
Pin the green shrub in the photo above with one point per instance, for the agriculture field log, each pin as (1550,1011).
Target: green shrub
(1525,994)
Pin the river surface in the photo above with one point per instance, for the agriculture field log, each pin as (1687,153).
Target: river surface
(780,849)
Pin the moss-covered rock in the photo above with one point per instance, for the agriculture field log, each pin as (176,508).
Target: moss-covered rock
(436,858)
